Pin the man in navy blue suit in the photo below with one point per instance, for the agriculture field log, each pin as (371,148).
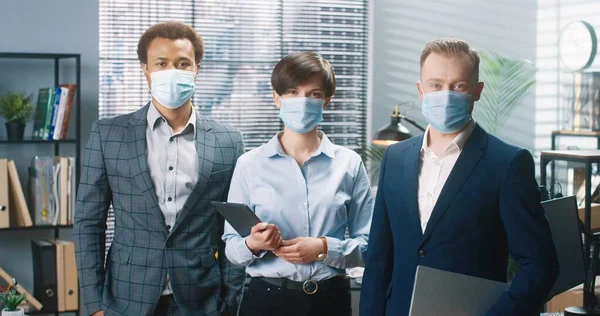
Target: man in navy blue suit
(456,199)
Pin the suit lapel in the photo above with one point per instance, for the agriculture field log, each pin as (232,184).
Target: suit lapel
(467,161)
(205,148)
(137,146)
(411,174)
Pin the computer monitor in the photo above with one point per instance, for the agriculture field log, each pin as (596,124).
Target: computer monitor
(562,215)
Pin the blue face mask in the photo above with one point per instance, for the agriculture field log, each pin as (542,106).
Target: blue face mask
(447,111)
(301,114)
(172,87)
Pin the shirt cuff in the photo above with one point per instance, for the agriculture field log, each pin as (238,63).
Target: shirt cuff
(244,252)
(334,252)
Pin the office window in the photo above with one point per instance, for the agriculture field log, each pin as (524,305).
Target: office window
(244,39)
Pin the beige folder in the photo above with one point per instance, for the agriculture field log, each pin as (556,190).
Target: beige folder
(60,275)
(71,282)
(66,276)
(18,206)
(4,203)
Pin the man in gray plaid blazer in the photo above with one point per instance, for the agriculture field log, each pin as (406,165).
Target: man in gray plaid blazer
(159,168)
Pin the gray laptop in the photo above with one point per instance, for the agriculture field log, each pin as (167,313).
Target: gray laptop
(438,292)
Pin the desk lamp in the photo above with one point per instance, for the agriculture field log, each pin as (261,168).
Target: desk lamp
(395,131)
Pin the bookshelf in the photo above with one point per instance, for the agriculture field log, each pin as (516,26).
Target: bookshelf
(55,145)
(56,228)
(38,141)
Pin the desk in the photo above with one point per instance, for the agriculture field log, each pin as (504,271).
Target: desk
(556,134)
(588,157)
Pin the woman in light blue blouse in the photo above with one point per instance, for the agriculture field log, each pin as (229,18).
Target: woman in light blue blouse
(307,191)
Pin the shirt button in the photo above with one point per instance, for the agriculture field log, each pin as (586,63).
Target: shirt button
(169,244)
(169,227)
(170,199)
(170,167)
(429,195)
(422,253)
(170,139)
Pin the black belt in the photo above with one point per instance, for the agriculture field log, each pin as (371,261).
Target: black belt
(310,286)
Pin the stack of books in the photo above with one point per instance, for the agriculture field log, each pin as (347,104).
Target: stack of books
(51,193)
(53,112)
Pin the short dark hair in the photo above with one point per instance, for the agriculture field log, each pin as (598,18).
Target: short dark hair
(296,68)
(170,30)
(449,47)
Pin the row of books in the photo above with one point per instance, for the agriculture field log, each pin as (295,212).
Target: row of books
(52,190)
(55,271)
(51,193)
(55,284)
(53,112)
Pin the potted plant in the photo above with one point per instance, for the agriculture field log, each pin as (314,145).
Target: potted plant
(17,109)
(10,301)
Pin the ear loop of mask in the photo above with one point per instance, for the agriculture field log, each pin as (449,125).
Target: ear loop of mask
(148,85)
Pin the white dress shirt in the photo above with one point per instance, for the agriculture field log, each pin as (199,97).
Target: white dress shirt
(172,164)
(434,170)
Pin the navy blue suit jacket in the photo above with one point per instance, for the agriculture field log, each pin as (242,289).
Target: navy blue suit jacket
(489,207)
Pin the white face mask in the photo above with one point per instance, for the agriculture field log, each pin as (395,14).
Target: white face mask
(447,111)
(172,87)
(301,114)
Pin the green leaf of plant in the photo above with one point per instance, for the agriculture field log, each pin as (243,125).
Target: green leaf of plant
(16,107)
(507,82)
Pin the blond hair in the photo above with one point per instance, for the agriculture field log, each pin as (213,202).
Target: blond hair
(452,47)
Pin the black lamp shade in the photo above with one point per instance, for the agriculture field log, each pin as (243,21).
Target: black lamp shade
(393,133)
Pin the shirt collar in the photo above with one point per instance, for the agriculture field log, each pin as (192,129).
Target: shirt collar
(273,147)
(458,142)
(154,118)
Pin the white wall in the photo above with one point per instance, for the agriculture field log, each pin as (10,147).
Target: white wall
(403,27)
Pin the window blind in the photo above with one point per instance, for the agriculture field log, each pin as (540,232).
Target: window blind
(244,39)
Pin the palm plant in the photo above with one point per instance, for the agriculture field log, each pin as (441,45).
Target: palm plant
(373,155)
(507,83)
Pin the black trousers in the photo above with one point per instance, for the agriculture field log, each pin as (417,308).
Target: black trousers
(264,299)
(167,307)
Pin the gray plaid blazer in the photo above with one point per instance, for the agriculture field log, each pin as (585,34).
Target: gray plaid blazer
(114,171)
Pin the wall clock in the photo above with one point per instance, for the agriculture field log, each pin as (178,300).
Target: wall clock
(577,45)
